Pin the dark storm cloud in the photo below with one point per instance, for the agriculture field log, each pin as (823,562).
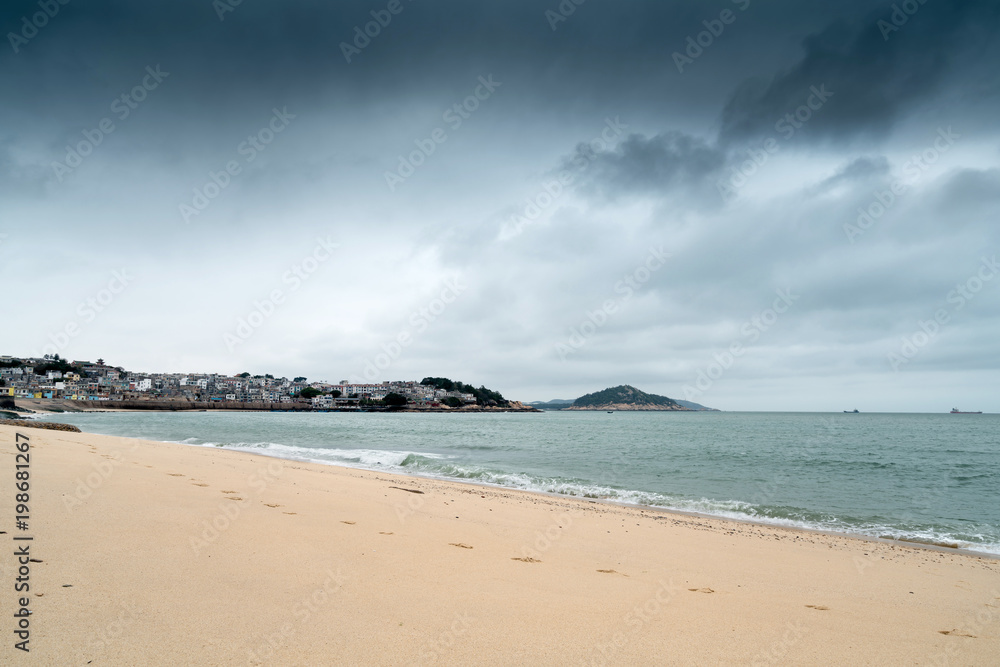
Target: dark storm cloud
(877,70)
(296,50)
(654,165)
(324,175)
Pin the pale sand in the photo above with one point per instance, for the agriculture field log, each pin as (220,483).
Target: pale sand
(338,568)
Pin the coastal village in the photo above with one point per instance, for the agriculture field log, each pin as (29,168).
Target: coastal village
(52,378)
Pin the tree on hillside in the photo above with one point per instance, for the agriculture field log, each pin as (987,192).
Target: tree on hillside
(310,393)
(483,395)
(394,400)
(299,379)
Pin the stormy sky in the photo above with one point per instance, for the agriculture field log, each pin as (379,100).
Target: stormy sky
(756,206)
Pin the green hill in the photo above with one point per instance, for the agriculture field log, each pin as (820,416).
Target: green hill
(625,397)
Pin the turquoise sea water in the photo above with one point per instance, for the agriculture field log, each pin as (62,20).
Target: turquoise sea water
(932,478)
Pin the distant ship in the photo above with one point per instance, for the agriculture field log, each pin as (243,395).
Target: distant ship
(851,412)
(956,411)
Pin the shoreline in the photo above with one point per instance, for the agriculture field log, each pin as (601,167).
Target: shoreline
(900,542)
(264,560)
(913,544)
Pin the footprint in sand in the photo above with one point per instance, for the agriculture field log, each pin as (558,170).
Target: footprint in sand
(270,505)
(459,545)
(289,513)
(612,572)
(175,474)
(528,559)
(382,533)
(229,492)
(817,607)
(233,498)
(957,633)
(199,484)
(349,523)
(407,490)
(701,590)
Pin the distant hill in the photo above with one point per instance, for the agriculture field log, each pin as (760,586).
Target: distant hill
(556,404)
(625,397)
(695,406)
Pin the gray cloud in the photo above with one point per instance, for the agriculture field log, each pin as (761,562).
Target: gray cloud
(652,187)
(657,165)
(876,74)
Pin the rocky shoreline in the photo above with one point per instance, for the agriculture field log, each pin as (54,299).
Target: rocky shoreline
(51,426)
(64,405)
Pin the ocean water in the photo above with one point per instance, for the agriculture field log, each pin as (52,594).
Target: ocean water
(931,478)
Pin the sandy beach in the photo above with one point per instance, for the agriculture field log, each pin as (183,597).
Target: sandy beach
(150,553)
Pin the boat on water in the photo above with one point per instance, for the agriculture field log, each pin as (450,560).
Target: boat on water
(851,412)
(611,412)
(956,411)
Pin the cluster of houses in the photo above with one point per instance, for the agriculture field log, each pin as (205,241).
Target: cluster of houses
(99,382)
(345,394)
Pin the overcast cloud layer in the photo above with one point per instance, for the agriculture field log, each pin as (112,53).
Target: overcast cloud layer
(761,206)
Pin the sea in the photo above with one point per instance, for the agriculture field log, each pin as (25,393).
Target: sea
(928,478)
